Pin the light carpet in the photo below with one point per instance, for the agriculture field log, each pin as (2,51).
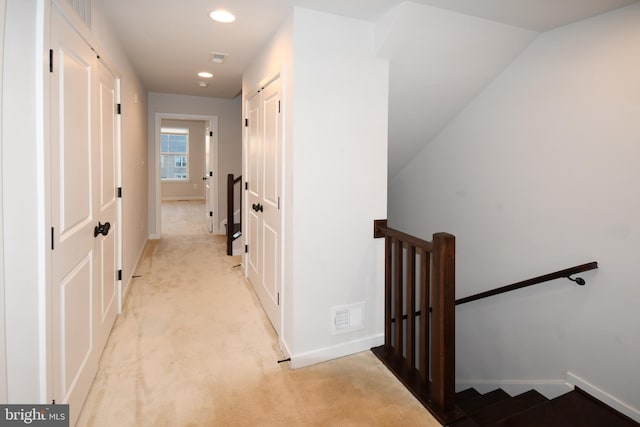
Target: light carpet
(194,348)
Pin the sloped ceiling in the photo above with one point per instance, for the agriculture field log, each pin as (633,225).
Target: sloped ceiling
(439,60)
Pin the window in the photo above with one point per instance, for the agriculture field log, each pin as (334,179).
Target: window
(174,154)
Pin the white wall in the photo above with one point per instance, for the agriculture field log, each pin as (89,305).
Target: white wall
(25,224)
(340,178)
(439,61)
(335,178)
(193,188)
(23,215)
(537,174)
(229,139)
(3,354)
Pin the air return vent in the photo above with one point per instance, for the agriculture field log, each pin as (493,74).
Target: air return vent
(347,318)
(218,57)
(82,9)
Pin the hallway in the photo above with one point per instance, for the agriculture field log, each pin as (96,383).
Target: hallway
(194,348)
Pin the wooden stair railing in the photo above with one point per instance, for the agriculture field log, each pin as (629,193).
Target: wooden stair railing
(233,229)
(420,287)
(561,274)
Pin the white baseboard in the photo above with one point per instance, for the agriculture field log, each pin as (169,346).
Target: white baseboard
(345,349)
(549,388)
(123,291)
(605,397)
(154,236)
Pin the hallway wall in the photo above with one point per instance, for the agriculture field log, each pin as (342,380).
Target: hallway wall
(3,359)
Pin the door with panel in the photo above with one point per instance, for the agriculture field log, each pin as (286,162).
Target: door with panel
(107,203)
(264,185)
(82,195)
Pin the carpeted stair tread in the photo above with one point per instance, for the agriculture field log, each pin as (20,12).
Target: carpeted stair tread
(575,408)
(483,400)
(506,408)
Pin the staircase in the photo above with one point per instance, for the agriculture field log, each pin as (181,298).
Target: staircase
(234,229)
(531,409)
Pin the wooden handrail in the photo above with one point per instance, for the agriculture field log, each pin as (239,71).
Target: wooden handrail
(231,227)
(561,274)
(420,351)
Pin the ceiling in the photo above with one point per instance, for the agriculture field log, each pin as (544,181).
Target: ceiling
(170,41)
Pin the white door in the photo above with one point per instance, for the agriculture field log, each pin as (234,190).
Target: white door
(208,179)
(82,194)
(107,200)
(264,142)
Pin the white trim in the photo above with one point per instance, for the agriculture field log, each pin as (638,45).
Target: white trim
(605,397)
(213,124)
(340,350)
(43,193)
(550,388)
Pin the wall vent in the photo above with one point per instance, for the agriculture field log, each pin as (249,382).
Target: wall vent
(347,318)
(82,9)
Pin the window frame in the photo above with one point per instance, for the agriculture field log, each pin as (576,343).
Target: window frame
(175,155)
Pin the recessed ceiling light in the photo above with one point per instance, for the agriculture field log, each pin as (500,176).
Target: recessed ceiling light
(222,16)
(205,75)
(203,84)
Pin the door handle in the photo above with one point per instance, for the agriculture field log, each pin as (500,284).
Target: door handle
(101,229)
(258,207)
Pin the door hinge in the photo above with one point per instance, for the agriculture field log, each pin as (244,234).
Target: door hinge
(210,133)
(278,202)
(52,234)
(246,249)
(278,106)
(119,192)
(210,213)
(119,274)
(246,185)
(119,108)
(51,60)
(278,298)
(246,123)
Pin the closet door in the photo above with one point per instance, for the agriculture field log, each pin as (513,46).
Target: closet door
(264,143)
(83,177)
(107,204)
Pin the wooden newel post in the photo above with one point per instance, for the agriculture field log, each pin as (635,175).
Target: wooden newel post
(443,321)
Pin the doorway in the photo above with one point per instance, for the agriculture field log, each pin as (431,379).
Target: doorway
(208,176)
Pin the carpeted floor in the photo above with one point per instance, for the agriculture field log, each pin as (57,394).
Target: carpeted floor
(194,348)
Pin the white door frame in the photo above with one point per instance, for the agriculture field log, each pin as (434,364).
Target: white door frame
(213,126)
